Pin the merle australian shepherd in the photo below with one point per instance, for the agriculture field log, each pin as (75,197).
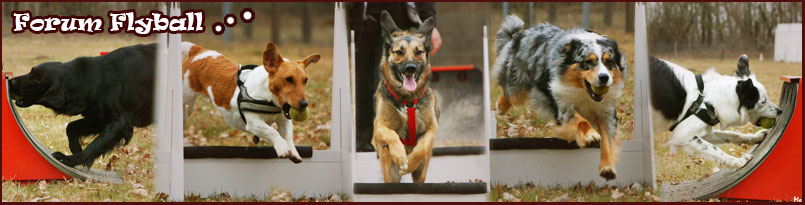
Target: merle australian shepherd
(574,77)
(113,93)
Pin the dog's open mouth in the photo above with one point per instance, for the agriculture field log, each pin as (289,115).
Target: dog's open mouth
(597,93)
(286,110)
(409,81)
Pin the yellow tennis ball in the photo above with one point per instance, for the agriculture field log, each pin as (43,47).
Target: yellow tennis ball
(767,122)
(299,115)
(600,90)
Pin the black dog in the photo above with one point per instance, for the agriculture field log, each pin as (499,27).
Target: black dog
(113,93)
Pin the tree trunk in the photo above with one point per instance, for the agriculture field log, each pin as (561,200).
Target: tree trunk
(629,17)
(306,25)
(275,27)
(552,12)
(608,13)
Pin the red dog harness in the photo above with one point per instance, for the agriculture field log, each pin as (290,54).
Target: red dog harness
(411,110)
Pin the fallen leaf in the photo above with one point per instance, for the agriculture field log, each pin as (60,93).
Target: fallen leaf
(141,192)
(616,194)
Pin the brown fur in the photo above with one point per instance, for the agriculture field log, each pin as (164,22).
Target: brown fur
(391,119)
(279,70)
(219,73)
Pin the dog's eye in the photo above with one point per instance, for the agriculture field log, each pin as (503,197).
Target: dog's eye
(419,52)
(398,52)
(289,79)
(305,81)
(610,64)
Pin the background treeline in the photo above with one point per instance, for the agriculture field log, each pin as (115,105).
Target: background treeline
(717,29)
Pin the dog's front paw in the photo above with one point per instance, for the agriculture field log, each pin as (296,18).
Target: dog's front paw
(399,157)
(282,150)
(66,160)
(739,162)
(607,172)
(588,138)
(294,155)
(758,136)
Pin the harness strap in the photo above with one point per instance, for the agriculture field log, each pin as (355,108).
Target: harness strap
(703,110)
(411,111)
(249,104)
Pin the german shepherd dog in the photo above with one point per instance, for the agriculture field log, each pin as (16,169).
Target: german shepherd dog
(404,98)
(573,76)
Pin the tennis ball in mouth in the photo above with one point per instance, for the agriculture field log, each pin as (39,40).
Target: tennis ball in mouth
(600,90)
(767,122)
(299,115)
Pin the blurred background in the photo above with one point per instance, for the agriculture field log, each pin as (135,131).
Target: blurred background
(718,29)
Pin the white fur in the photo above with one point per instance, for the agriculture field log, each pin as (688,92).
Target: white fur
(206,54)
(695,137)
(256,83)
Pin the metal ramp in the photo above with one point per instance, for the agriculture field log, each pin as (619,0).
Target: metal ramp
(23,166)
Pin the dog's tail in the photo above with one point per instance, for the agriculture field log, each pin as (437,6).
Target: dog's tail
(511,25)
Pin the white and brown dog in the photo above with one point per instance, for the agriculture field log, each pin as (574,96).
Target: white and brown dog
(277,84)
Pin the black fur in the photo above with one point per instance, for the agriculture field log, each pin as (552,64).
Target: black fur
(113,93)
(609,43)
(667,93)
(743,67)
(748,94)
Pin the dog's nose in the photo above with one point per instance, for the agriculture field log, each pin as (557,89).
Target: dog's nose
(779,111)
(603,78)
(302,104)
(410,68)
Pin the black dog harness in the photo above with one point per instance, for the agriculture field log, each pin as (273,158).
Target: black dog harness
(249,104)
(706,113)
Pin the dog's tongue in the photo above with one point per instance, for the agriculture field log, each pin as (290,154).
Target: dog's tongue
(409,83)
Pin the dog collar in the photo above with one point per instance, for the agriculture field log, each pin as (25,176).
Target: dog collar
(703,110)
(249,104)
(411,111)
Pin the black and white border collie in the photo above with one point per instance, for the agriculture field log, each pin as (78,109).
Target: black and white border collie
(736,100)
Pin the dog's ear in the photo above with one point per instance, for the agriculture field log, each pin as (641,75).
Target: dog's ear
(743,66)
(570,47)
(272,58)
(748,94)
(426,29)
(310,59)
(388,26)
(55,97)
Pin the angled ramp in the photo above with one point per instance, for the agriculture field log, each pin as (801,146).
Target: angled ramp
(727,178)
(18,162)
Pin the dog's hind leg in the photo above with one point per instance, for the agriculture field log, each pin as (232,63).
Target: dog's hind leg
(575,128)
(286,130)
(503,105)
(110,136)
(722,137)
(78,130)
(686,137)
